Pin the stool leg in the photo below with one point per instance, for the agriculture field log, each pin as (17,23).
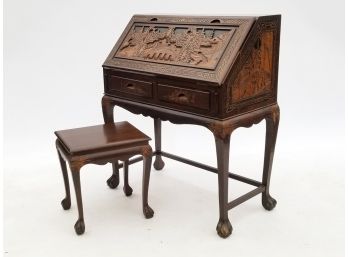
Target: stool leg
(66,202)
(147,160)
(114,180)
(224,227)
(271,136)
(126,188)
(159,163)
(80,223)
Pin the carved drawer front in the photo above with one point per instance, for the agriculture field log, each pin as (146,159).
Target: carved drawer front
(130,86)
(184,97)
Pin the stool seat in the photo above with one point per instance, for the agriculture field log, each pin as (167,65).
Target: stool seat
(101,144)
(101,137)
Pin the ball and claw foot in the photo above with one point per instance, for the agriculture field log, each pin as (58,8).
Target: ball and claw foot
(224,228)
(159,163)
(127,190)
(79,227)
(113,181)
(66,204)
(148,212)
(268,202)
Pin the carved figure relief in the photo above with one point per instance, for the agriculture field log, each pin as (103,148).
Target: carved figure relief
(189,46)
(255,76)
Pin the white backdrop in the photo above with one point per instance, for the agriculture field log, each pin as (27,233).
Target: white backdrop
(53,52)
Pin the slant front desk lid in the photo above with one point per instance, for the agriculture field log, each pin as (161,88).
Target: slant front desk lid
(200,48)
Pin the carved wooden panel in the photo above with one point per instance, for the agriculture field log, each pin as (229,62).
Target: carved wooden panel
(256,74)
(181,45)
(252,82)
(201,48)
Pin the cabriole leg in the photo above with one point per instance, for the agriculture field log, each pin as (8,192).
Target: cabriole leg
(271,136)
(108,115)
(158,164)
(147,160)
(80,223)
(224,227)
(66,202)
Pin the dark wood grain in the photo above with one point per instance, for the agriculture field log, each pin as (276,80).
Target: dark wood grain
(101,137)
(196,48)
(224,227)
(108,115)
(217,72)
(253,81)
(66,202)
(80,223)
(101,144)
(184,97)
(147,156)
(248,80)
(158,164)
(272,122)
(129,86)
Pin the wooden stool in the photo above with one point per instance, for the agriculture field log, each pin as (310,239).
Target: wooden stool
(99,145)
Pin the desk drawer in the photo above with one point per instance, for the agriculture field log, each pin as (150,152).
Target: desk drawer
(184,97)
(130,86)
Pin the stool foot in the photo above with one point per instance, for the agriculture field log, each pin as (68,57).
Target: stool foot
(127,190)
(268,202)
(113,181)
(66,203)
(224,228)
(148,212)
(79,227)
(159,163)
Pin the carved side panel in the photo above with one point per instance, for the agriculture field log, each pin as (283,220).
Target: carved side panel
(253,80)
(256,75)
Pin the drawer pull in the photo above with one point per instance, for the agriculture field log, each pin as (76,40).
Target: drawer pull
(182,97)
(130,86)
(119,86)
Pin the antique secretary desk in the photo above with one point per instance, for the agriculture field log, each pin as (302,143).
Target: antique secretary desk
(217,72)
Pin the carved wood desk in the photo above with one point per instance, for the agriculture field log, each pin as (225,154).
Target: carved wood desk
(216,72)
